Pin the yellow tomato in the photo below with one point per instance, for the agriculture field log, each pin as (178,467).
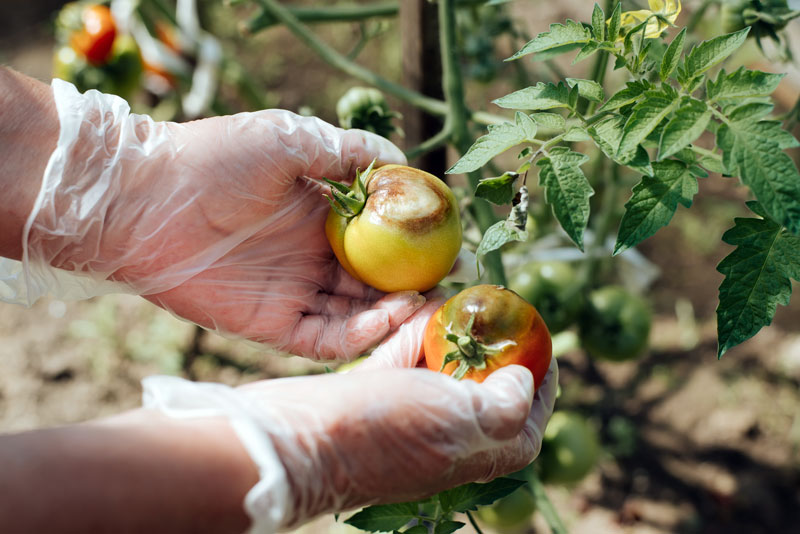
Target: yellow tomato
(406,236)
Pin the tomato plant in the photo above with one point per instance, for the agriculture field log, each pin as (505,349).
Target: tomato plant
(615,324)
(553,287)
(396,228)
(570,449)
(483,328)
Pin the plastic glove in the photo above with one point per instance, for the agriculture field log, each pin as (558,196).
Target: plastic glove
(219,221)
(378,434)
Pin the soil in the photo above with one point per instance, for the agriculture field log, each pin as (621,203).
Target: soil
(692,444)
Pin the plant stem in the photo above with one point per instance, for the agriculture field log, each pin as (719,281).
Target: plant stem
(473,523)
(334,13)
(544,505)
(432,143)
(456,121)
(322,14)
(341,62)
(697,16)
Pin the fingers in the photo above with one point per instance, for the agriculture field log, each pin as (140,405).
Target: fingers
(344,338)
(545,399)
(344,284)
(314,148)
(404,348)
(503,401)
(362,147)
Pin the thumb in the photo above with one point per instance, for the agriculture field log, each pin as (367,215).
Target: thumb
(403,349)
(503,401)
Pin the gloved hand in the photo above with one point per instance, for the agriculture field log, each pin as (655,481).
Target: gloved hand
(218,220)
(378,434)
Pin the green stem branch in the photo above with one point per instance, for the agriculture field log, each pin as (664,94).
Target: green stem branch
(432,143)
(324,14)
(456,121)
(341,62)
(544,505)
(474,523)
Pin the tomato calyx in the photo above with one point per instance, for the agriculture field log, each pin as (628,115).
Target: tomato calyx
(348,201)
(471,353)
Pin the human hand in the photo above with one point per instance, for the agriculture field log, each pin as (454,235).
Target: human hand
(219,221)
(378,434)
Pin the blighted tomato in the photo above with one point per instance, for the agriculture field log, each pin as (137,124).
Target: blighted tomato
(96,38)
(396,228)
(483,328)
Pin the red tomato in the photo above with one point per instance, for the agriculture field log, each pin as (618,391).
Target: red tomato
(96,39)
(483,328)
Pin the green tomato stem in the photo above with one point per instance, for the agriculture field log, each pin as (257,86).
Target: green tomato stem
(473,523)
(432,143)
(456,120)
(322,14)
(544,505)
(341,62)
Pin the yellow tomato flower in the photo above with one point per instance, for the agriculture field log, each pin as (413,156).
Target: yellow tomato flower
(668,9)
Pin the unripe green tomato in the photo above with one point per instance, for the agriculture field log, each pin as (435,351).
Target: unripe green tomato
(511,514)
(738,14)
(570,448)
(406,237)
(615,324)
(551,286)
(365,108)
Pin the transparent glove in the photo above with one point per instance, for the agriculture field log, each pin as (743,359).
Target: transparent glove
(218,220)
(378,434)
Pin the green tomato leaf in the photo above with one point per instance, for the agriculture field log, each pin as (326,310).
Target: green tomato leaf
(416,529)
(498,190)
(567,190)
(751,111)
(569,33)
(646,116)
(497,235)
(614,23)
(587,51)
(550,121)
(742,83)
(469,496)
(607,134)
(757,277)
(712,52)
(500,138)
(384,517)
(753,150)
(447,527)
(588,89)
(654,202)
(688,124)
(672,56)
(541,96)
(626,96)
(577,134)
(599,23)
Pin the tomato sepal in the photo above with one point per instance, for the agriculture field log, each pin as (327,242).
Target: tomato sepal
(348,201)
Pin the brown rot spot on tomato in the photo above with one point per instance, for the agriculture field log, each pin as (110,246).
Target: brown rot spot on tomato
(407,199)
